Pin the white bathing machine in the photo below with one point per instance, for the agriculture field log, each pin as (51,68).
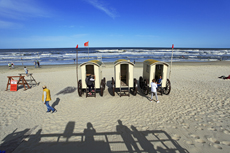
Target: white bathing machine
(153,69)
(94,68)
(123,77)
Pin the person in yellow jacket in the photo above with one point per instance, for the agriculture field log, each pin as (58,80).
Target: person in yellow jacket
(46,97)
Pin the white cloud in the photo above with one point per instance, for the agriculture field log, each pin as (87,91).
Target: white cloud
(99,5)
(146,36)
(20,9)
(7,25)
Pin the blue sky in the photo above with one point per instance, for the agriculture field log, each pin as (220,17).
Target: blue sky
(114,23)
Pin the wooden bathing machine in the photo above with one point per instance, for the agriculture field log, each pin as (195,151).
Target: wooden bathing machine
(153,69)
(123,73)
(93,67)
(123,76)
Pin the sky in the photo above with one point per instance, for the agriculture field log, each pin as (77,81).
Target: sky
(114,23)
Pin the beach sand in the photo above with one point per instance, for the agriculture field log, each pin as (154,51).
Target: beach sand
(194,117)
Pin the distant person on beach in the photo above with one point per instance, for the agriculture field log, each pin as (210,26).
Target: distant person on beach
(12,65)
(9,65)
(35,63)
(26,71)
(154,90)
(46,97)
(134,61)
(224,77)
(38,63)
(90,83)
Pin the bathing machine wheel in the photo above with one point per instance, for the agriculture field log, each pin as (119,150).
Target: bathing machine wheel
(167,89)
(113,87)
(80,88)
(135,86)
(146,87)
(102,86)
(143,84)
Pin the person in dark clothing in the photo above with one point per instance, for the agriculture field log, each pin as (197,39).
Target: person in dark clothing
(90,83)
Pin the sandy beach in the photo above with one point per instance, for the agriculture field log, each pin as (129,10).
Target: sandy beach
(194,117)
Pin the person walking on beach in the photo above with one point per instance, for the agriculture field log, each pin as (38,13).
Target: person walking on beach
(35,63)
(38,63)
(154,90)
(46,97)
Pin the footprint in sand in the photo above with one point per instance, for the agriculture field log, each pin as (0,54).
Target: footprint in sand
(212,129)
(200,141)
(217,146)
(176,137)
(186,127)
(226,132)
(200,128)
(213,140)
(195,136)
(227,143)
(189,142)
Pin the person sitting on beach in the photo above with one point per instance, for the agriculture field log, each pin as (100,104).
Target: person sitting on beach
(223,77)
(159,82)
(12,65)
(26,71)
(154,90)
(90,83)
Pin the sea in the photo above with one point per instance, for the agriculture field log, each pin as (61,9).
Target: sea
(60,56)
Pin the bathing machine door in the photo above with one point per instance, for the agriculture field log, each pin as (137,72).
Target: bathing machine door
(89,70)
(124,74)
(159,71)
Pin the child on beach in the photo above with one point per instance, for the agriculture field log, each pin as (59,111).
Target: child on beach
(26,71)
(90,83)
(154,90)
(9,65)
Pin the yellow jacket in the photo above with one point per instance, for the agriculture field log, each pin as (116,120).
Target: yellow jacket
(48,97)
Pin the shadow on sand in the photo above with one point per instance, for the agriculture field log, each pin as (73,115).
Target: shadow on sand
(89,141)
(67,90)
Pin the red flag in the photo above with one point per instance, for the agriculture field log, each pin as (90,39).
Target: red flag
(172,45)
(77,46)
(86,44)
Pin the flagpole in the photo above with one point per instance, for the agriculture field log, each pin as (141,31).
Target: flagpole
(88,50)
(171,62)
(77,64)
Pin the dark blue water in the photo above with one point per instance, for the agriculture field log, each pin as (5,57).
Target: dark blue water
(53,56)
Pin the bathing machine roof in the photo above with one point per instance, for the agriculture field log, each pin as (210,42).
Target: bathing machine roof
(122,61)
(93,62)
(154,62)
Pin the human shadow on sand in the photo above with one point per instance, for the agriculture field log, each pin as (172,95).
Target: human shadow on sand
(56,102)
(67,90)
(89,141)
